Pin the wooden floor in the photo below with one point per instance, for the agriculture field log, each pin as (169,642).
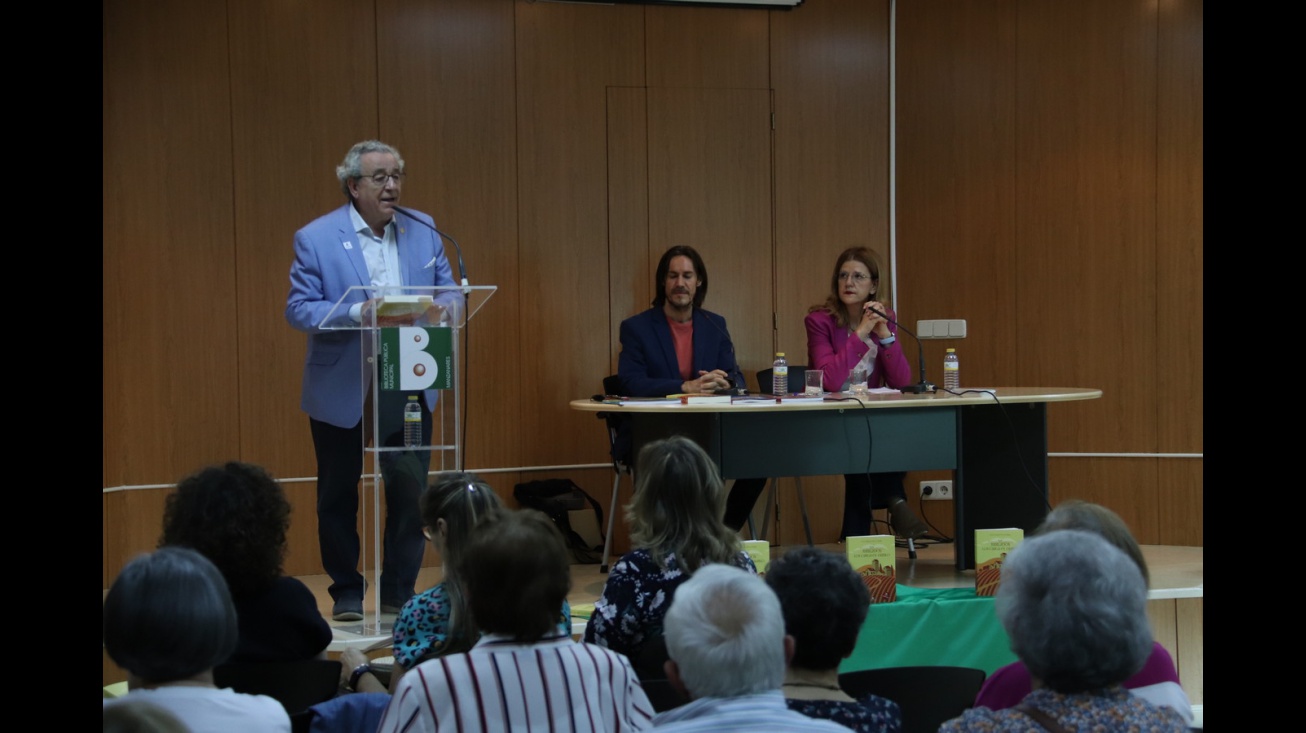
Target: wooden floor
(1176,573)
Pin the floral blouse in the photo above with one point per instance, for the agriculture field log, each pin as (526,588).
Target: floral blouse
(871,714)
(1110,709)
(635,599)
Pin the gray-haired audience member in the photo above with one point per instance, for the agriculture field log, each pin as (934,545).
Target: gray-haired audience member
(523,673)
(728,650)
(168,621)
(825,604)
(1075,609)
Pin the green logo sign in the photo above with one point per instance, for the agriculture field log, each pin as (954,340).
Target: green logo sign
(414,358)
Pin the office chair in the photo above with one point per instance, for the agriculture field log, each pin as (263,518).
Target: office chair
(797,376)
(622,463)
(296,685)
(927,695)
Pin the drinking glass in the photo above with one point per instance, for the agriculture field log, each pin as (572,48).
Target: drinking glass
(815,377)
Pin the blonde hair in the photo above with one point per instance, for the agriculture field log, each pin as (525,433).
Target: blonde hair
(678,506)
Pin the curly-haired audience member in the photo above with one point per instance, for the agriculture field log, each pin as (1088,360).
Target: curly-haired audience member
(825,604)
(237,516)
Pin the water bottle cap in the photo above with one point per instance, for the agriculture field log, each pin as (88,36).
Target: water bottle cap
(952,351)
(412,397)
(779,353)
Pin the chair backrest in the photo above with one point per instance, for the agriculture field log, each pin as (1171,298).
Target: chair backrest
(296,685)
(797,375)
(928,696)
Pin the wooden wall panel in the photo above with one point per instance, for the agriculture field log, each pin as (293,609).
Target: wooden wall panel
(170,343)
(169,339)
(447,100)
(707,48)
(1179,229)
(956,174)
(1125,485)
(567,56)
(1086,268)
(630,275)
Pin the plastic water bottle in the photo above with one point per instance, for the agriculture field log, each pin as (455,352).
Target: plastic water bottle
(780,375)
(412,422)
(951,371)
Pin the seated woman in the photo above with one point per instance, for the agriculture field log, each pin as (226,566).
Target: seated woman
(676,526)
(437,621)
(1158,678)
(523,674)
(237,516)
(168,621)
(846,333)
(1075,609)
(825,604)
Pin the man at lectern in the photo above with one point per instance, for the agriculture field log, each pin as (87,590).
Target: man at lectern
(368,242)
(678,347)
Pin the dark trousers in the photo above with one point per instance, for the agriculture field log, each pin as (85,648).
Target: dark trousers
(339,466)
(739,502)
(863,493)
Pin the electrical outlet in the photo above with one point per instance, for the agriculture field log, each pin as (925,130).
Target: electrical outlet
(936,491)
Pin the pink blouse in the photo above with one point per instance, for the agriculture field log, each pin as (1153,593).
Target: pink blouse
(836,351)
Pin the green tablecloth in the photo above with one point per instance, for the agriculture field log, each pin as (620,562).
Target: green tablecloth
(950,627)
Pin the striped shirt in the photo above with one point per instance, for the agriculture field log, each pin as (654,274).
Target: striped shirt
(550,686)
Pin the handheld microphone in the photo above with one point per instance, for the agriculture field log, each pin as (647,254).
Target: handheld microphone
(924,385)
(462,271)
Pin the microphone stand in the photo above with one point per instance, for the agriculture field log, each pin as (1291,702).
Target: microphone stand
(924,385)
(462,270)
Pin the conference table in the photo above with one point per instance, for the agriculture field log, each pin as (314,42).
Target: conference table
(994,441)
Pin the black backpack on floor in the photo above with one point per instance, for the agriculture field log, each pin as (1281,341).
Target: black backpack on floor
(558,497)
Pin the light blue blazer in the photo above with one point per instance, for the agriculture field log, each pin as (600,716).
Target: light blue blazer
(329,261)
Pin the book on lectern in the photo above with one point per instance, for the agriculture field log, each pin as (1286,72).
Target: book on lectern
(991,548)
(760,551)
(874,558)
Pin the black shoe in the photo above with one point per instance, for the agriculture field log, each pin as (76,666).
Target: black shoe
(904,521)
(347,609)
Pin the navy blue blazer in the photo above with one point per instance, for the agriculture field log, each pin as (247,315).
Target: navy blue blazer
(647,365)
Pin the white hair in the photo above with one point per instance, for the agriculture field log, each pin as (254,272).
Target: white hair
(725,631)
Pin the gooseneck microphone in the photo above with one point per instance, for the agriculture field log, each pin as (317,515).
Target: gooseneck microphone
(462,271)
(924,385)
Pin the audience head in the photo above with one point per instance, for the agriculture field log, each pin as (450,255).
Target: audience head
(168,617)
(664,266)
(516,572)
(351,168)
(679,503)
(1075,609)
(824,603)
(1077,514)
(725,634)
(237,516)
(452,506)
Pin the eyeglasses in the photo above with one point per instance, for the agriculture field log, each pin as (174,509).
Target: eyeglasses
(380,178)
(860,277)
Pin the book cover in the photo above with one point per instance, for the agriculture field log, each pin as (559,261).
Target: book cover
(991,548)
(760,551)
(874,557)
(703,399)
